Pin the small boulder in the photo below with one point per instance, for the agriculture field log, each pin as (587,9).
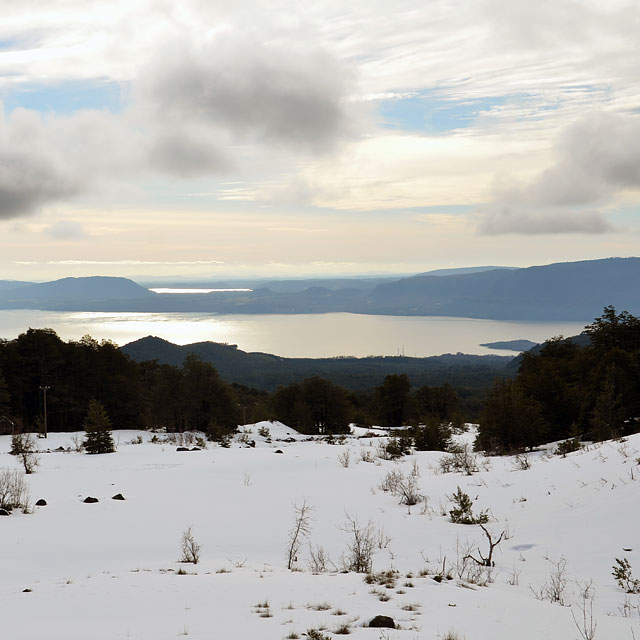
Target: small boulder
(183,449)
(41,503)
(382,622)
(195,449)
(90,500)
(118,496)
(4,512)
(252,443)
(279,451)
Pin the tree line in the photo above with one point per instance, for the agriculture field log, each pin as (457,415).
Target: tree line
(569,390)
(38,370)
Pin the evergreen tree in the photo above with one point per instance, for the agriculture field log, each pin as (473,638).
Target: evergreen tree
(5,406)
(606,418)
(98,427)
(511,421)
(394,400)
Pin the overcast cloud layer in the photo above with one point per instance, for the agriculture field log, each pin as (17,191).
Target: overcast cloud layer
(522,117)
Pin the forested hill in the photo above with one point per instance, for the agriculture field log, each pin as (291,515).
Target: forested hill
(554,292)
(266,371)
(561,291)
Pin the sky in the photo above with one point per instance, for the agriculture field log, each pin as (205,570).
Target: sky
(213,139)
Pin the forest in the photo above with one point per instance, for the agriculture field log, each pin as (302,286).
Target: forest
(564,390)
(38,365)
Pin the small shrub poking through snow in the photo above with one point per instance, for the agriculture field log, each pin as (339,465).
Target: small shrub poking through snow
(623,575)
(462,512)
(190,548)
(14,493)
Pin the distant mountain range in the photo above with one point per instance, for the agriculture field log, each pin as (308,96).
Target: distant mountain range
(266,371)
(562,291)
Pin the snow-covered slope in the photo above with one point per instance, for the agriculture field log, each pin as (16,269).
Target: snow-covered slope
(110,569)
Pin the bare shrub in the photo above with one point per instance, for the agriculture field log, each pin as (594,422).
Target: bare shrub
(14,493)
(488,560)
(78,442)
(555,587)
(299,531)
(360,549)
(190,548)
(585,623)
(23,445)
(344,458)
(403,486)
(459,458)
(522,462)
(319,559)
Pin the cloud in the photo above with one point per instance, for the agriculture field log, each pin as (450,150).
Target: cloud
(596,157)
(507,220)
(198,107)
(594,162)
(135,262)
(293,95)
(31,174)
(65,230)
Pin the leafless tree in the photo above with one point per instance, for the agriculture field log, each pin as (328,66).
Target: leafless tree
(299,531)
(190,548)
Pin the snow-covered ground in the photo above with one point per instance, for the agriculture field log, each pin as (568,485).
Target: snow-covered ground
(110,569)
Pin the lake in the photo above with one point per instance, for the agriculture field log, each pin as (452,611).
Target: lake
(308,335)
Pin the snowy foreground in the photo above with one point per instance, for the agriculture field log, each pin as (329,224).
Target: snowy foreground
(110,569)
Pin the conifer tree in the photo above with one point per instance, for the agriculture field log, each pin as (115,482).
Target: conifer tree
(98,427)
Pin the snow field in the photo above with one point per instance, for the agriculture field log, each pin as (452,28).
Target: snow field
(109,570)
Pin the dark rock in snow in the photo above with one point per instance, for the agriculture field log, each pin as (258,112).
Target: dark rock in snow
(41,503)
(90,500)
(279,451)
(118,496)
(195,449)
(4,512)
(183,449)
(382,622)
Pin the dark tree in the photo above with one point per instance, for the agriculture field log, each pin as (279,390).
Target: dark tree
(97,425)
(209,402)
(394,401)
(511,421)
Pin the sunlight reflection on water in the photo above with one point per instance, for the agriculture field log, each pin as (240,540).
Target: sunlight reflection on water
(307,335)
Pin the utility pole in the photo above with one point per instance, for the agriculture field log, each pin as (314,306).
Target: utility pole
(44,388)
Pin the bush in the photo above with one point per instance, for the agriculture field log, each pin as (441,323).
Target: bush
(462,513)
(24,446)
(360,550)
(403,486)
(395,448)
(459,458)
(432,436)
(568,446)
(190,548)
(14,493)
(624,578)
